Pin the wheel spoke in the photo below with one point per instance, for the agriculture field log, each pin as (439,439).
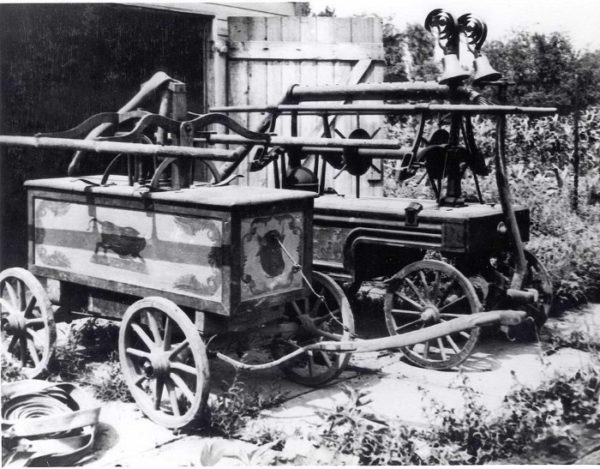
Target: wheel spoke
(33,352)
(30,306)
(311,362)
(158,391)
(23,349)
(140,380)
(406,311)
(168,334)
(442,349)
(178,348)
(12,294)
(12,344)
(180,383)
(137,353)
(409,301)
(185,368)
(453,344)
(34,322)
(408,325)
(466,335)
(142,335)
(329,335)
(318,320)
(326,358)
(424,283)
(436,286)
(299,312)
(153,324)
(21,295)
(414,288)
(173,399)
(453,302)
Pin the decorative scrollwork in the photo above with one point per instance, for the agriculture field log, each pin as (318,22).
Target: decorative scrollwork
(474,30)
(448,33)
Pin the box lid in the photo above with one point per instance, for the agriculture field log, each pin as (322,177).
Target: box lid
(225,196)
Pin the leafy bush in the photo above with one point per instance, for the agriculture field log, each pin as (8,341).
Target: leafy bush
(531,420)
(98,337)
(69,360)
(351,429)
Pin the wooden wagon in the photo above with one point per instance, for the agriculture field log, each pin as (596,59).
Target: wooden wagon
(177,253)
(178,259)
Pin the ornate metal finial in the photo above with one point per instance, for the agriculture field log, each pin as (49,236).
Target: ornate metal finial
(474,30)
(448,33)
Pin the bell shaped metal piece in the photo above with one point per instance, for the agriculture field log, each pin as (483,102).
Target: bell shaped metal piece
(453,72)
(484,71)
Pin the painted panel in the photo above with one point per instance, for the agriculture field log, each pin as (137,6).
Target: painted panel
(328,243)
(179,254)
(266,267)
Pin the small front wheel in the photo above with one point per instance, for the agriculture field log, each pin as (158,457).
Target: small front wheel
(164,362)
(312,320)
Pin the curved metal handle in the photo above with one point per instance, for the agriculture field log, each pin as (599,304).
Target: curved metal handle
(158,79)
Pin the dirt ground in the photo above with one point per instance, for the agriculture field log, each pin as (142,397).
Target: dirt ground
(127,439)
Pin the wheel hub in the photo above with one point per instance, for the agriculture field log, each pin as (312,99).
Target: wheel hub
(14,323)
(430,314)
(157,365)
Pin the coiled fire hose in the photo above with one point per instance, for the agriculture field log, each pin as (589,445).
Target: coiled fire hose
(44,423)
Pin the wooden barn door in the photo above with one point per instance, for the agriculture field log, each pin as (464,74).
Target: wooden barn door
(268,55)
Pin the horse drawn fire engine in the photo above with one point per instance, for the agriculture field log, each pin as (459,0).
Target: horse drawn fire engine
(178,259)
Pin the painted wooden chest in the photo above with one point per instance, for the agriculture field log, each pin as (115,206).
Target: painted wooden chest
(222,250)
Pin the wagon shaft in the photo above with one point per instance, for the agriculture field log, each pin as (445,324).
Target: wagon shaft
(504,317)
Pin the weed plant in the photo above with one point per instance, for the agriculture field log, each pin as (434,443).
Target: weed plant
(232,409)
(10,370)
(111,385)
(532,420)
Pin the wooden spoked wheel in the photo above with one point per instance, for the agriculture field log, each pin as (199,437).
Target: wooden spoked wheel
(164,362)
(425,293)
(27,321)
(311,320)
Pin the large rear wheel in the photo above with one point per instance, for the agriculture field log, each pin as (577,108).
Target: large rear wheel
(327,316)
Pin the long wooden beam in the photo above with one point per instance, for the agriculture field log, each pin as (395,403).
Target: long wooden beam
(397,109)
(94,146)
(302,141)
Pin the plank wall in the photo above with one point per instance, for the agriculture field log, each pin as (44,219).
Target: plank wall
(268,55)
